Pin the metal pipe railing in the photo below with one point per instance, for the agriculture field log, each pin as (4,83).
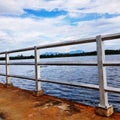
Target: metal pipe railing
(101,63)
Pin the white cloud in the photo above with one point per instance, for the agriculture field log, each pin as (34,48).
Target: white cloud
(73,7)
(104,6)
(43,31)
(10,7)
(28,31)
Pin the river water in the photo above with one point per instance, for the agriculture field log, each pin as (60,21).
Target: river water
(70,74)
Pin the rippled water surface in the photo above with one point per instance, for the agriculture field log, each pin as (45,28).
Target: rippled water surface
(70,74)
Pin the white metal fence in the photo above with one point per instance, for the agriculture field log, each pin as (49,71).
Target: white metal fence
(101,63)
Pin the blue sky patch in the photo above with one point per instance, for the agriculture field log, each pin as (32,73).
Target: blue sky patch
(45,13)
(89,17)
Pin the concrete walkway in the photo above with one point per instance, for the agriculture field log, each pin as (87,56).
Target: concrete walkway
(17,104)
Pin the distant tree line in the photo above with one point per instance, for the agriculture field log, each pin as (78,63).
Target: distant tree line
(18,57)
(107,52)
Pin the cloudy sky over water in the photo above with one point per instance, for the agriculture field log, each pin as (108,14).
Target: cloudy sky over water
(26,23)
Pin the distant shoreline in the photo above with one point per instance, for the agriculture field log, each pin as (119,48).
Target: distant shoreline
(59,55)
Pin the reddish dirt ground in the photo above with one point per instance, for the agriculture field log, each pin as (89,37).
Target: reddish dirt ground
(18,104)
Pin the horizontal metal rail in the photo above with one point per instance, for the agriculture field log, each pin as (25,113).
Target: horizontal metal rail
(19,76)
(110,36)
(82,85)
(18,63)
(115,63)
(112,63)
(72,42)
(70,63)
(54,63)
(112,89)
(55,82)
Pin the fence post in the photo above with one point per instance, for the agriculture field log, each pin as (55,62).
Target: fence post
(8,83)
(103,108)
(37,73)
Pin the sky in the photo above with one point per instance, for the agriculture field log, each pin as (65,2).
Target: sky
(26,23)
